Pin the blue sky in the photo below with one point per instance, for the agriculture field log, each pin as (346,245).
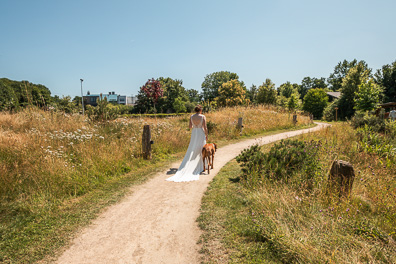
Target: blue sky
(117,45)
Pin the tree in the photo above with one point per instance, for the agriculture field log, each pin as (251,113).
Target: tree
(311,83)
(287,89)
(340,71)
(368,96)
(293,102)
(252,93)
(232,93)
(386,77)
(213,82)
(153,90)
(66,105)
(16,94)
(179,105)
(350,85)
(8,98)
(172,89)
(315,101)
(193,95)
(267,93)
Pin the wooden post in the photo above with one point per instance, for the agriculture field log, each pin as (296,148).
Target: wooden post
(336,108)
(294,119)
(240,126)
(341,177)
(146,142)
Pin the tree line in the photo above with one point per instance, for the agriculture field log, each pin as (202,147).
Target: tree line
(361,90)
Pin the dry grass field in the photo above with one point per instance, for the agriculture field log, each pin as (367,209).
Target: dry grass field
(52,165)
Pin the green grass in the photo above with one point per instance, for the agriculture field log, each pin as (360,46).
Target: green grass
(224,215)
(38,233)
(275,222)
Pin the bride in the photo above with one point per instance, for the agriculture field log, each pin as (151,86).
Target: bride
(192,164)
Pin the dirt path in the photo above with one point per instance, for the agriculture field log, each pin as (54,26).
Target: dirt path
(156,223)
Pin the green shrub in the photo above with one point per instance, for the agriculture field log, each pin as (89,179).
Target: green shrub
(329,112)
(282,162)
(390,129)
(376,123)
(372,142)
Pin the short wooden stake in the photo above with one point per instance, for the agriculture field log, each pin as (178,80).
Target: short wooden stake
(294,119)
(146,142)
(240,125)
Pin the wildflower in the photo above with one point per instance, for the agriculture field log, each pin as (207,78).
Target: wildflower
(347,209)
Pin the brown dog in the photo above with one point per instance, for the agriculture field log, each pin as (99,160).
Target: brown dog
(208,152)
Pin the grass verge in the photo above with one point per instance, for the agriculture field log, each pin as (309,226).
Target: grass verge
(271,221)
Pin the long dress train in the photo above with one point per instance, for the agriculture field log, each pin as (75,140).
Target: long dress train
(192,164)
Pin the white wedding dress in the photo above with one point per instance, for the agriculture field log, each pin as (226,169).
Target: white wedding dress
(192,164)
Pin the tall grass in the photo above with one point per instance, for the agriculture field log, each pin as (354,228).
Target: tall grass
(288,223)
(50,160)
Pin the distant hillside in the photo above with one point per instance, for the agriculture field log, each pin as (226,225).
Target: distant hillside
(15,94)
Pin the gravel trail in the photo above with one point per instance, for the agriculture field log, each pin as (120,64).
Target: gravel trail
(156,223)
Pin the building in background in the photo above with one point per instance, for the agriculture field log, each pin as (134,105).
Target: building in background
(92,99)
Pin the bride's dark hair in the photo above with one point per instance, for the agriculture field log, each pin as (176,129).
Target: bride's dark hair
(198,108)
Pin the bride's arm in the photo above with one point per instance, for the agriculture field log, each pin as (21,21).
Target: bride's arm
(205,127)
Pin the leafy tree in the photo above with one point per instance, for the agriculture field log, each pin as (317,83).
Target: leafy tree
(172,89)
(213,82)
(8,98)
(293,102)
(287,92)
(340,71)
(350,85)
(252,93)
(267,93)
(153,90)
(386,77)
(65,104)
(368,96)
(287,89)
(190,106)
(329,113)
(232,93)
(193,95)
(15,94)
(179,105)
(282,101)
(144,104)
(311,83)
(315,101)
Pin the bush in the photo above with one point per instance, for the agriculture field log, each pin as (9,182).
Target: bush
(372,142)
(282,162)
(315,101)
(390,128)
(329,113)
(361,119)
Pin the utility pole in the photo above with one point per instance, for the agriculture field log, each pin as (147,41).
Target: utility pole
(82,96)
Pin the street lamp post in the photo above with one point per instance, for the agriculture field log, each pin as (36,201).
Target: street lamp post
(82,96)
